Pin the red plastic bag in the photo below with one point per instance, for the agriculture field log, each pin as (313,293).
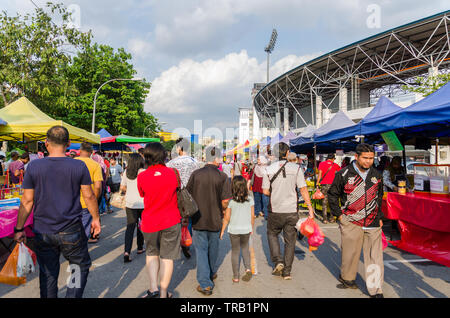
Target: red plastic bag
(307,227)
(186,239)
(384,240)
(8,275)
(316,239)
(318,195)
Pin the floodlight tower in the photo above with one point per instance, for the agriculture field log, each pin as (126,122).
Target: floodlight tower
(269,49)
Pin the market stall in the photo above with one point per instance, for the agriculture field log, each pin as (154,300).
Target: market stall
(424,224)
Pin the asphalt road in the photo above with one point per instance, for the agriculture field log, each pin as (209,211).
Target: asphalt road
(314,273)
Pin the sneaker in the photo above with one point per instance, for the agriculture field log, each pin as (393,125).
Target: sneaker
(286,276)
(205,291)
(346,284)
(247,276)
(277,271)
(377,296)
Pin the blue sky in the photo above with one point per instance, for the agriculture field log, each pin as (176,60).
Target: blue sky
(203,56)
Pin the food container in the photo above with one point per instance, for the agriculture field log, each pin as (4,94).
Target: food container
(432,179)
(402,187)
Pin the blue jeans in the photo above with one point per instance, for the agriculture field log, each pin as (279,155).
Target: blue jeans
(72,243)
(261,203)
(207,251)
(86,219)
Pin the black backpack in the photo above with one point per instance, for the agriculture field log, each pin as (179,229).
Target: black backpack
(186,203)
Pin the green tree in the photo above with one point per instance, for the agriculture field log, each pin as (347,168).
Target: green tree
(429,85)
(33,50)
(119,105)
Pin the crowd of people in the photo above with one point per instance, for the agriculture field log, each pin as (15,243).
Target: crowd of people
(68,193)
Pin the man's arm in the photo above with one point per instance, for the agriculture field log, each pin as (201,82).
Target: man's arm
(92,205)
(97,189)
(319,178)
(305,194)
(380,201)
(25,208)
(387,181)
(334,193)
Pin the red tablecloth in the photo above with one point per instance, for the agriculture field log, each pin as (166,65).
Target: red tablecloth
(424,223)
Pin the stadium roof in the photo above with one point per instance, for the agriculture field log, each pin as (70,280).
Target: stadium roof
(388,58)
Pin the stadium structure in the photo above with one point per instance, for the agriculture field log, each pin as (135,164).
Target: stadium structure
(352,78)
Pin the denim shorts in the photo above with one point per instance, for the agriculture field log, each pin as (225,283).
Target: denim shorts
(164,243)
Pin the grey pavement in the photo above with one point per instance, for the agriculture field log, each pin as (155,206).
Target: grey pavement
(314,273)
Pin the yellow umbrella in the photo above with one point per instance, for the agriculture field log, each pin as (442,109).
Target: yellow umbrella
(26,121)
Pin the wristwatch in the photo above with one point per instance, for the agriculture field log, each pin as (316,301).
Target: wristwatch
(16,230)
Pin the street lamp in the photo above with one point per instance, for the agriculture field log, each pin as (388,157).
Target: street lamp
(269,49)
(95,98)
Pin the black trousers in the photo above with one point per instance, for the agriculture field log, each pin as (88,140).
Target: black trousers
(276,223)
(133,216)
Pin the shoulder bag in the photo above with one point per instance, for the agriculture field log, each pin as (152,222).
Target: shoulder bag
(186,203)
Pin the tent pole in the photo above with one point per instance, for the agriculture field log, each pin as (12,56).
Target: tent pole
(404,158)
(437,152)
(315,178)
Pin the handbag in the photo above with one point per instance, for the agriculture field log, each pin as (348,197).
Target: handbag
(186,203)
(117,200)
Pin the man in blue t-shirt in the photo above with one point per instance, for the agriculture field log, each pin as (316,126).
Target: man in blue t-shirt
(52,187)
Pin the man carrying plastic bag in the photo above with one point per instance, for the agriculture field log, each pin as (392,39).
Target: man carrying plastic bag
(52,188)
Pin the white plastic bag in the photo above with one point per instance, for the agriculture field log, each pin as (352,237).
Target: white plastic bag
(25,264)
(299,223)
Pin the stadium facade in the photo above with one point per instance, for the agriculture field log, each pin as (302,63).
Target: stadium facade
(352,78)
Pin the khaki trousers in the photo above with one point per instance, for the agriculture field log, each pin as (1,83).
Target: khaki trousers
(353,238)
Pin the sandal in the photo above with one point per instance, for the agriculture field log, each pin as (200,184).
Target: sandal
(235,280)
(150,294)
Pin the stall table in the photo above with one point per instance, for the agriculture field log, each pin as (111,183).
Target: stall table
(8,220)
(424,224)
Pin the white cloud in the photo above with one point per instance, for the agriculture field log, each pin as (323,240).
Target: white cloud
(212,90)
(139,48)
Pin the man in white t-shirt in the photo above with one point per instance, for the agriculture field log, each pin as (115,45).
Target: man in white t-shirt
(280,183)
(185,165)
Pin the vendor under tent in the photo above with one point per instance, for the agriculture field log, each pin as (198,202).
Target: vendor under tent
(27,122)
(120,142)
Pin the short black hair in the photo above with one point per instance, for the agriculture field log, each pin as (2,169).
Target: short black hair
(183,143)
(364,148)
(25,155)
(154,154)
(86,146)
(58,135)
(331,156)
(280,150)
(212,152)
(14,154)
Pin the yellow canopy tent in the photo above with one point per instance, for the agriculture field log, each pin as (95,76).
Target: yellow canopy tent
(27,122)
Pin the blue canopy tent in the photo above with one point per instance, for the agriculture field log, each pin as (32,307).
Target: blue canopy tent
(383,109)
(305,136)
(276,139)
(339,121)
(428,118)
(287,139)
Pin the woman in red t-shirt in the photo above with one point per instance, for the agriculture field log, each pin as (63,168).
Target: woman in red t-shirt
(161,218)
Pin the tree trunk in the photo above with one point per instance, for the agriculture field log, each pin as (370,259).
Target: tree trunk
(3,95)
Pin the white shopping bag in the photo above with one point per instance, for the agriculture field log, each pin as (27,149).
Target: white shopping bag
(25,264)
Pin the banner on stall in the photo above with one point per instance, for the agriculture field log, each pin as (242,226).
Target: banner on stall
(391,139)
